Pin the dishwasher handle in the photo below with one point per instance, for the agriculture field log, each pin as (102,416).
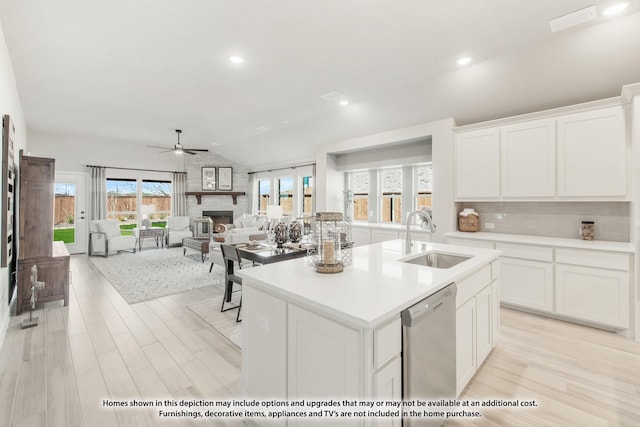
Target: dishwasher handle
(424,308)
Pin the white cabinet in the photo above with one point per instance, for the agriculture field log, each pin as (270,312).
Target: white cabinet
(324,357)
(477,164)
(528,159)
(361,236)
(465,344)
(527,275)
(387,386)
(597,290)
(558,157)
(592,153)
(477,312)
(378,236)
(527,283)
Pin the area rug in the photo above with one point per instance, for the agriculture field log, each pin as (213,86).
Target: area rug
(224,322)
(155,273)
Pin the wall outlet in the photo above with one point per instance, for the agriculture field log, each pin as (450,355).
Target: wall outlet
(489,226)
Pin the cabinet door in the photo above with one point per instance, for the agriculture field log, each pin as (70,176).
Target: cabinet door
(264,345)
(465,344)
(495,312)
(378,236)
(593,294)
(527,283)
(528,159)
(360,236)
(477,162)
(387,384)
(592,153)
(325,358)
(484,326)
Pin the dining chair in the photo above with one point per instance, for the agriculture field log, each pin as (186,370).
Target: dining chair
(231,257)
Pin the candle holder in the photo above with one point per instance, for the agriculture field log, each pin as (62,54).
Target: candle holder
(331,248)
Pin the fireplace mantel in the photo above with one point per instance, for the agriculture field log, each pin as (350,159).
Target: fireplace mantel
(234,194)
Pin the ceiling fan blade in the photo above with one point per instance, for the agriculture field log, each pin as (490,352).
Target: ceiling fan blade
(192,152)
(155,146)
(204,150)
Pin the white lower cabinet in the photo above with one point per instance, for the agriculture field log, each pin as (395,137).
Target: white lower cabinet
(477,318)
(527,283)
(593,294)
(387,385)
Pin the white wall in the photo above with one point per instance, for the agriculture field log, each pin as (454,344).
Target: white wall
(74,151)
(9,104)
(330,181)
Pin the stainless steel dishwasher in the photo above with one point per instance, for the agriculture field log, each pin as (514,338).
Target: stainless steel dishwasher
(429,351)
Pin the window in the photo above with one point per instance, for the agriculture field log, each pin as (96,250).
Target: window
(391,200)
(360,187)
(264,193)
(307,195)
(156,202)
(122,202)
(285,195)
(424,185)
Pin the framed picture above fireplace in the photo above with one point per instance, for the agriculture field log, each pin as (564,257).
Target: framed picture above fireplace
(225,178)
(209,178)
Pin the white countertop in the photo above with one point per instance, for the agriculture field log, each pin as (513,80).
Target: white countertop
(388,226)
(600,245)
(375,287)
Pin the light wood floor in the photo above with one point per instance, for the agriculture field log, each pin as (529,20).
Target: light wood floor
(99,347)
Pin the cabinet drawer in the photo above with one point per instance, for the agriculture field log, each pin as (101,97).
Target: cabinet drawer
(615,261)
(534,253)
(473,284)
(484,244)
(387,343)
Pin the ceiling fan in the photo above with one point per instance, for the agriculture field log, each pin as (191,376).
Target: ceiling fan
(179,149)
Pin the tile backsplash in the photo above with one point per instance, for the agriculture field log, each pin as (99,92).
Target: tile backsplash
(554,219)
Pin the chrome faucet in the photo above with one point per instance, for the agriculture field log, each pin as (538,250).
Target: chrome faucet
(425,215)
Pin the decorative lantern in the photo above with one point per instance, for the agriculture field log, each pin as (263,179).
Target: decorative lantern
(202,228)
(331,250)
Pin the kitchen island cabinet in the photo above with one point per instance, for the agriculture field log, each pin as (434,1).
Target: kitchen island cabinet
(308,335)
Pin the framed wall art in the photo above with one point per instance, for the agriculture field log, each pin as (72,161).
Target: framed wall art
(8,191)
(209,178)
(225,178)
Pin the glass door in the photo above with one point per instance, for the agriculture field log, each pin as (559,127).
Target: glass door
(69,214)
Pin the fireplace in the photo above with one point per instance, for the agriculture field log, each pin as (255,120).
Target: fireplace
(219,217)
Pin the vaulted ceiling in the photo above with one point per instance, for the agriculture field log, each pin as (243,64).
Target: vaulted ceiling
(137,70)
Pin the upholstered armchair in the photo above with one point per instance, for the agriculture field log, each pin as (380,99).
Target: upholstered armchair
(105,238)
(177,228)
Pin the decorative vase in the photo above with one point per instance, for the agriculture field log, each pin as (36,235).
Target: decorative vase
(281,234)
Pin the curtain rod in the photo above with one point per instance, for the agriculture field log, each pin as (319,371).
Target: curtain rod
(281,169)
(132,169)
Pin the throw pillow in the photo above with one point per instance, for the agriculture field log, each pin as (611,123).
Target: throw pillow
(262,222)
(110,227)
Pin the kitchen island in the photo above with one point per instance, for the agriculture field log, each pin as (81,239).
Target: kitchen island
(338,336)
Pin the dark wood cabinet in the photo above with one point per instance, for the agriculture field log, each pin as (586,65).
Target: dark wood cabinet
(35,235)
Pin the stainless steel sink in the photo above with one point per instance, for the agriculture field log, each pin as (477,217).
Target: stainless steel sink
(437,259)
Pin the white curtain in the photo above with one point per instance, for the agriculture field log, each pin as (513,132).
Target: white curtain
(98,193)
(178,196)
(252,208)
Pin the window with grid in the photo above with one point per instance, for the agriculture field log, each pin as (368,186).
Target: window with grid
(360,188)
(391,200)
(424,185)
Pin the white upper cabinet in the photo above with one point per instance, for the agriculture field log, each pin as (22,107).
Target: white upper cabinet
(478,164)
(528,159)
(581,155)
(592,153)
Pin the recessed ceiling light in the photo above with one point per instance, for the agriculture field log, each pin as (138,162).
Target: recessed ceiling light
(465,60)
(235,59)
(344,102)
(615,9)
